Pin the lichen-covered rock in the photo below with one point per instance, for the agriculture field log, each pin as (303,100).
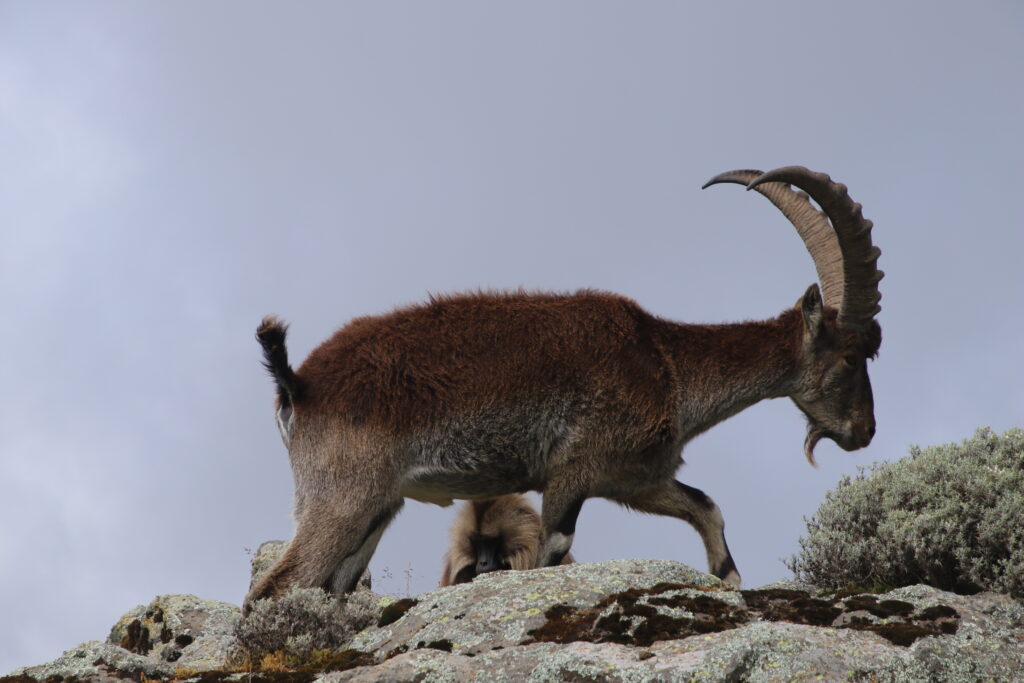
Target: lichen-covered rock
(661,621)
(264,558)
(538,662)
(988,645)
(184,630)
(501,608)
(96,662)
(624,620)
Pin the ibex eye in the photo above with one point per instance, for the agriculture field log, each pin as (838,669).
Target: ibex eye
(850,360)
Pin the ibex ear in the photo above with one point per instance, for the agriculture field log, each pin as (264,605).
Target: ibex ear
(811,308)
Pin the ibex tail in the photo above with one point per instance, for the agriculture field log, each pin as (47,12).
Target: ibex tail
(271,335)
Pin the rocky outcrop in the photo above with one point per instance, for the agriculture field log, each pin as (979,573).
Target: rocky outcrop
(179,629)
(171,635)
(624,620)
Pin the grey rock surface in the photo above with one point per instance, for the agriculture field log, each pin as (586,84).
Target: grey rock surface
(623,620)
(96,661)
(591,622)
(183,630)
(499,609)
(264,558)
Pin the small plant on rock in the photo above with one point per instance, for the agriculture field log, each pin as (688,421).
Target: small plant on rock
(950,516)
(304,621)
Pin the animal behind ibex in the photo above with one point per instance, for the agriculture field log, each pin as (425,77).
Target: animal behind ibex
(576,396)
(491,535)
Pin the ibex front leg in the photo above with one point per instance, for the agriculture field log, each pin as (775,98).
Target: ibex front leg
(563,498)
(676,499)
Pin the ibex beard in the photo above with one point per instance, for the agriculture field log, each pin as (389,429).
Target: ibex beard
(573,395)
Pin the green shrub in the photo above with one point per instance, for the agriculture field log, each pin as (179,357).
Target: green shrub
(950,516)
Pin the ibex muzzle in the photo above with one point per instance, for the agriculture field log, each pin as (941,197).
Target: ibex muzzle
(576,396)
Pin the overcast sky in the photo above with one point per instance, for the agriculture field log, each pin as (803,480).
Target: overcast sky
(169,173)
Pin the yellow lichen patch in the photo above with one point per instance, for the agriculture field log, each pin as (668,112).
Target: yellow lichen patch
(275,661)
(283,662)
(708,589)
(560,597)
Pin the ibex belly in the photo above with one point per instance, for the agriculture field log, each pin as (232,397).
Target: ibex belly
(487,454)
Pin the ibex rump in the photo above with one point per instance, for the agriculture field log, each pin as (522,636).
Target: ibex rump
(575,396)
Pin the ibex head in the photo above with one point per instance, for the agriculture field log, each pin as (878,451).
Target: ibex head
(840,333)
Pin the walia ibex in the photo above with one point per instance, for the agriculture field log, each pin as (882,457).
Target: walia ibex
(575,395)
(491,535)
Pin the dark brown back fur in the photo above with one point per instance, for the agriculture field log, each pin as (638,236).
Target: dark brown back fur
(408,369)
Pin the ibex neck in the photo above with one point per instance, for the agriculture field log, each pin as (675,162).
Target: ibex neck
(722,369)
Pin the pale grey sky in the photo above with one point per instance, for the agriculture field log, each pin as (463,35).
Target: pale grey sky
(169,173)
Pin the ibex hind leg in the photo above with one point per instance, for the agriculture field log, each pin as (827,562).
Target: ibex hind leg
(346,576)
(692,505)
(331,548)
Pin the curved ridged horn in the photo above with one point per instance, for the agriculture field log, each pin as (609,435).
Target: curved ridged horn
(838,237)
